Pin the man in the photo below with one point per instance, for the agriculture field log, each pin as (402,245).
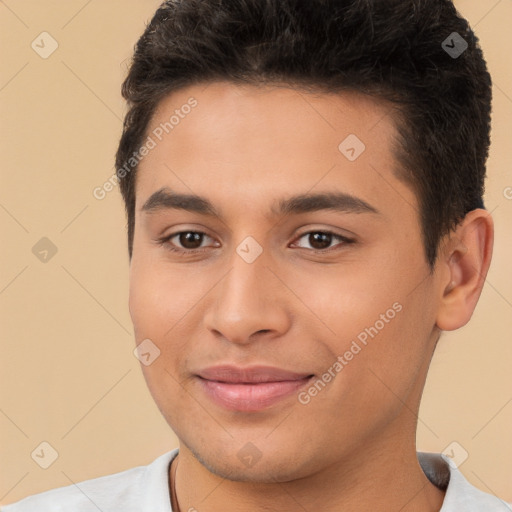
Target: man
(303,184)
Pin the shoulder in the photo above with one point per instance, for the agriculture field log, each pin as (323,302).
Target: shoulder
(125,491)
(460,495)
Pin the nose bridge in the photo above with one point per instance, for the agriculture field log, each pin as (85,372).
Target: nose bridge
(247,300)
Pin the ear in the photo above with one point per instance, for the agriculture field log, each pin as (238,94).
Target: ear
(463,264)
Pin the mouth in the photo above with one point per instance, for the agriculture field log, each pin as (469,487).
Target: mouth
(250,389)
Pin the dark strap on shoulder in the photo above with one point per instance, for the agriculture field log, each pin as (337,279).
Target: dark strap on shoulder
(435,469)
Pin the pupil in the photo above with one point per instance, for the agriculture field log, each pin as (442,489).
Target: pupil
(188,238)
(317,237)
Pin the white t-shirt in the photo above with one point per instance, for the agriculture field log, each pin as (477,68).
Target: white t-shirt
(146,489)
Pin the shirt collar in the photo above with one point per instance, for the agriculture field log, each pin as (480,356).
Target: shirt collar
(459,493)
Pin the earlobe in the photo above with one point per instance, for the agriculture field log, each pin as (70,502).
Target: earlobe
(464,261)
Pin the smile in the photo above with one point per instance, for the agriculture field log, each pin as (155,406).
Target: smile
(250,389)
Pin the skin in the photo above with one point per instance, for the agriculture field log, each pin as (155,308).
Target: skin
(352,447)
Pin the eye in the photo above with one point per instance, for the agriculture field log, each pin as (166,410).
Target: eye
(321,240)
(189,242)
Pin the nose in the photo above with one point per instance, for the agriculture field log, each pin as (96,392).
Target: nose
(249,302)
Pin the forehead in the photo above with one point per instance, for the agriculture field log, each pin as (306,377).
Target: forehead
(242,110)
(218,138)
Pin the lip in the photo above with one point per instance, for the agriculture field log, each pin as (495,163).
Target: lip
(250,389)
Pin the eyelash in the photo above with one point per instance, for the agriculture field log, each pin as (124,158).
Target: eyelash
(165,242)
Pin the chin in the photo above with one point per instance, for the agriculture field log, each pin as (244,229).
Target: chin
(237,465)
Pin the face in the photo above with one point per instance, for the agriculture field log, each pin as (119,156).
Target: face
(291,301)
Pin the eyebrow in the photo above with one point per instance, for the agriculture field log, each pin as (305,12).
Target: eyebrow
(167,199)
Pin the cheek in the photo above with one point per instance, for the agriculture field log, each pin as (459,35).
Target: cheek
(141,303)
(344,300)
(397,350)
(158,298)
(165,303)
(154,309)
(382,325)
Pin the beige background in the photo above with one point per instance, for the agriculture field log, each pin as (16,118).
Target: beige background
(68,375)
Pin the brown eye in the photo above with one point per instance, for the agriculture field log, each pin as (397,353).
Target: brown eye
(184,242)
(190,239)
(322,240)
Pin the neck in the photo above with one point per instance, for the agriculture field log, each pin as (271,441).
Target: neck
(376,479)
